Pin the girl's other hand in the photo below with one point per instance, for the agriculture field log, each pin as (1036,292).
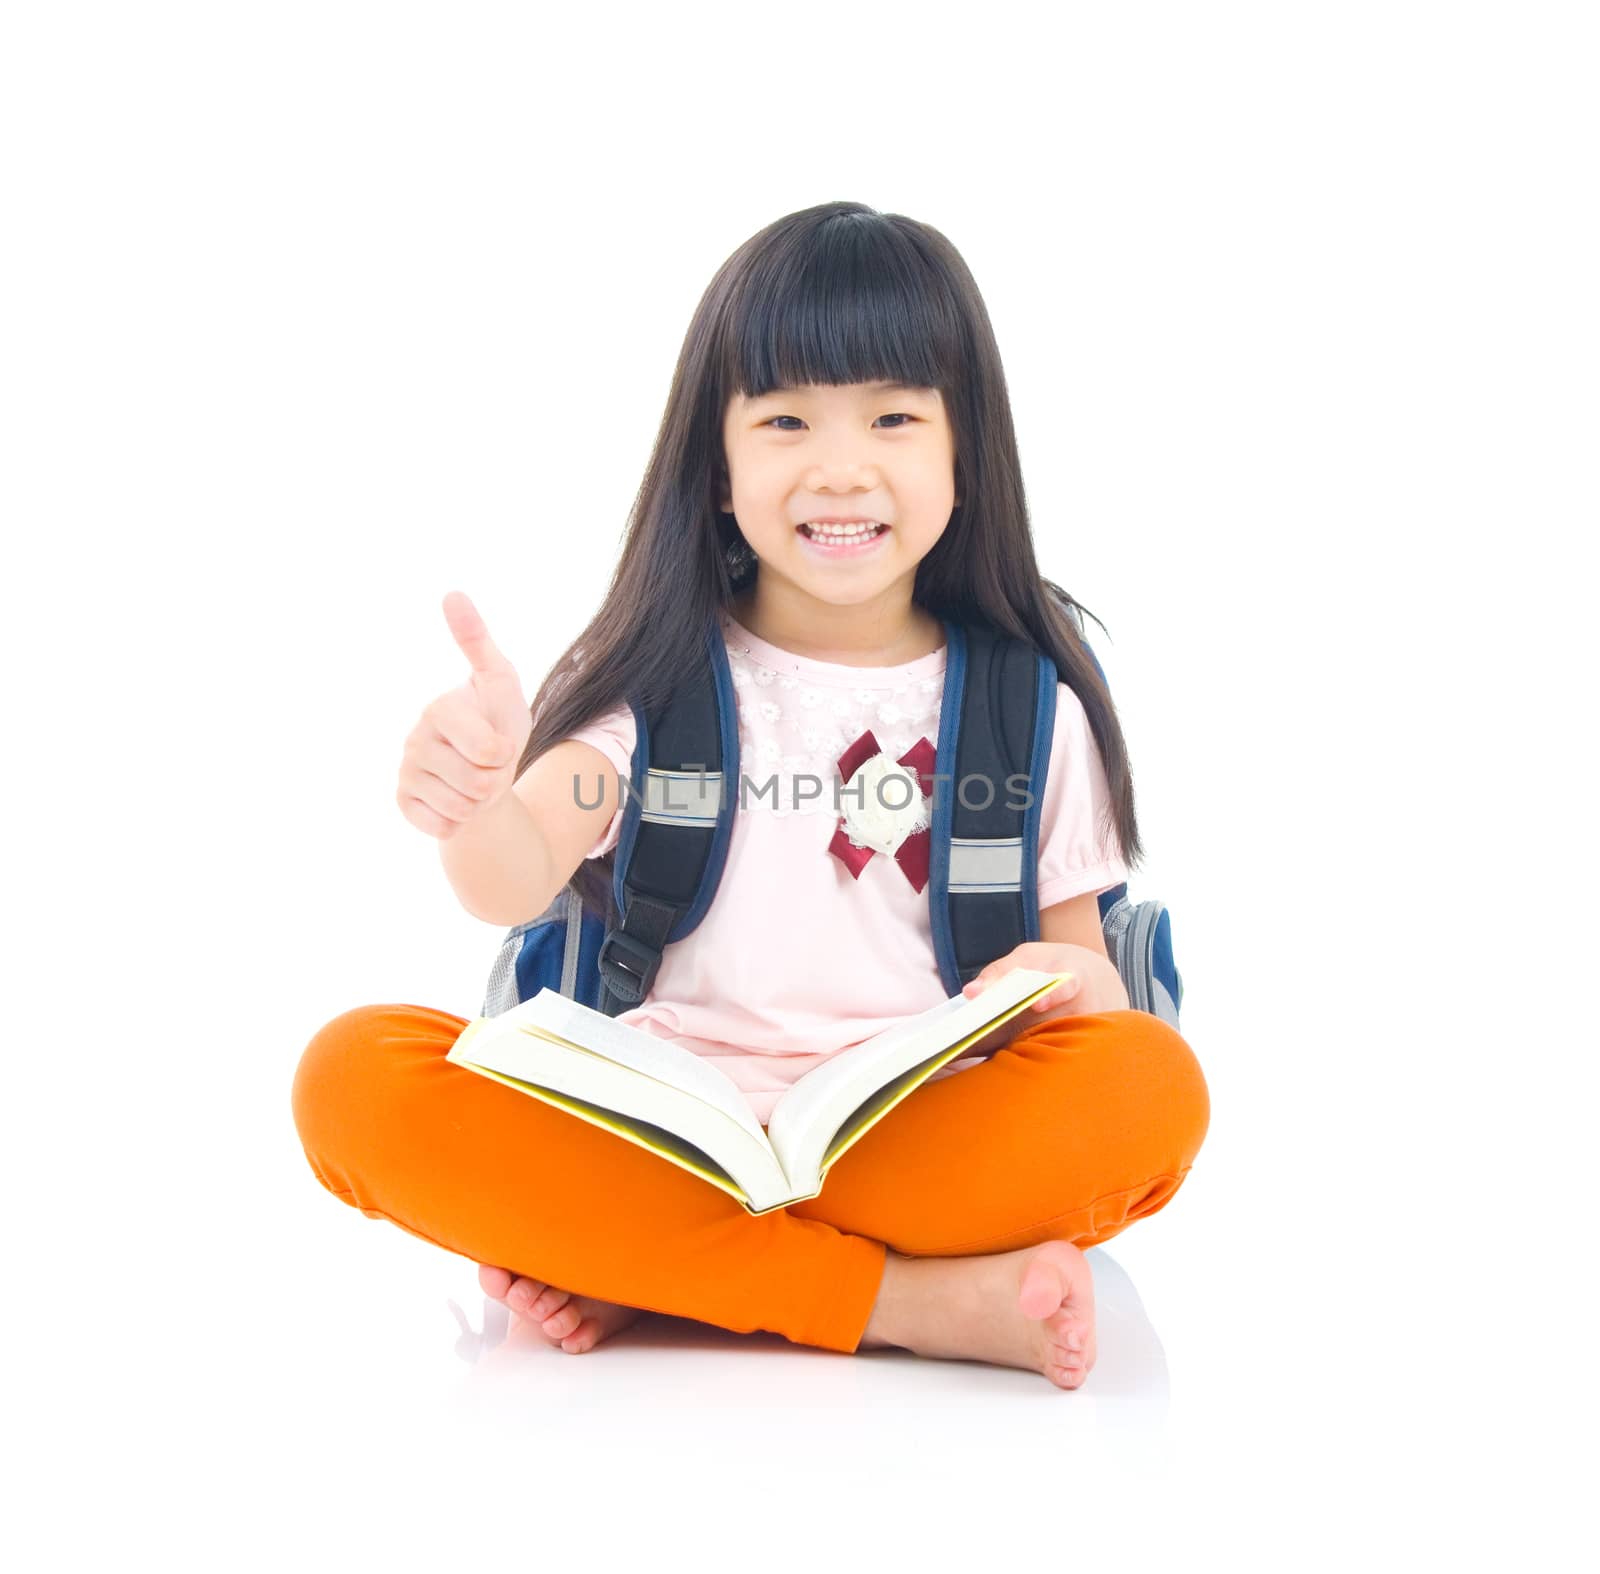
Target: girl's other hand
(1095,984)
(461,757)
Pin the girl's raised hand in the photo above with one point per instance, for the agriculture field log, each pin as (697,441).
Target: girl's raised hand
(462,755)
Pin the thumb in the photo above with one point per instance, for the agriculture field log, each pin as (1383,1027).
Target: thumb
(471,634)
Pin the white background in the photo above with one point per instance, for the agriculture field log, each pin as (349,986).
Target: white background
(314,313)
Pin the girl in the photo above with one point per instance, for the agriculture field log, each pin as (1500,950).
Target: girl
(836,470)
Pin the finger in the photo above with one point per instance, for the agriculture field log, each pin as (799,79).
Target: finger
(445,759)
(1060,995)
(992,974)
(417,813)
(471,734)
(441,797)
(472,634)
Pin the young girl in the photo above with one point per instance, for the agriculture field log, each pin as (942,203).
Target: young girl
(835,473)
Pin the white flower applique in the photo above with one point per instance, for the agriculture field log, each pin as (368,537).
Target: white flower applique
(886,810)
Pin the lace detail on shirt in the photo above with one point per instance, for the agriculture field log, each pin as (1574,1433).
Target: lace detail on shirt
(790,728)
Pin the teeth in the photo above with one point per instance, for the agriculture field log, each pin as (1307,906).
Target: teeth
(843,532)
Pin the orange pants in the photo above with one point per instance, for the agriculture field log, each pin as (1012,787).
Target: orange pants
(1076,1128)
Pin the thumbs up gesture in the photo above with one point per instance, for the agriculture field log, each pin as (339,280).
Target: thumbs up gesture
(461,757)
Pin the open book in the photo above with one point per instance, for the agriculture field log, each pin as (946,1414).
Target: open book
(671,1101)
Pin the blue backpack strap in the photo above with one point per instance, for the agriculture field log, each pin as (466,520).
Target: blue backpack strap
(676,825)
(996,722)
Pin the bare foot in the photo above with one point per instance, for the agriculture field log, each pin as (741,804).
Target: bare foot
(575,1322)
(1032,1308)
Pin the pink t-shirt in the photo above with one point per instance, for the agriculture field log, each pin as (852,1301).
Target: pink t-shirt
(795,959)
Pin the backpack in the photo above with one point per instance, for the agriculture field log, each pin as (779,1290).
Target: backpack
(996,721)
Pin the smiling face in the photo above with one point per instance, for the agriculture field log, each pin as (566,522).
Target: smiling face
(873,452)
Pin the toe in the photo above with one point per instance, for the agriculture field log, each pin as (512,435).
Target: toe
(1044,1286)
(1059,1355)
(584,1337)
(495,1281)
(548,1302)
(523,1293)
(1072,1326)
(563,1322)
(1067,1347)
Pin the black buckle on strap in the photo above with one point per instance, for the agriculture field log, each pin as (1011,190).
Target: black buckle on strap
(628,966)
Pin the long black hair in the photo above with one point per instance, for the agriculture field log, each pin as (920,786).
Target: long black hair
(834,294)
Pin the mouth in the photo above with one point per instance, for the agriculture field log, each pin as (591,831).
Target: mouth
(842,541)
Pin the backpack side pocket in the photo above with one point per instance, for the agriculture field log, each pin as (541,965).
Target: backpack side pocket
(1139,940)
(540,954)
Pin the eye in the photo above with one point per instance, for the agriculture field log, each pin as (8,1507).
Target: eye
(898,415)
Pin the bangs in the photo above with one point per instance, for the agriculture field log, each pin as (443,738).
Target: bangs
(848,302)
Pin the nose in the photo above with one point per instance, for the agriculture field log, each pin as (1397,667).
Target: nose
(841,473)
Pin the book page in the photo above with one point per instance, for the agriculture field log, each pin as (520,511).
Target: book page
(819,1105)
(802,1104)
(659,1059)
